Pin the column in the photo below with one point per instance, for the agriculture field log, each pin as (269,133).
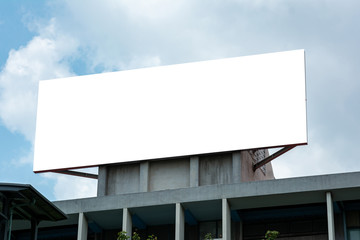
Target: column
(236,162)
(144,176)
(226,220)
(194,171)
(82,227)
(127,222)
(330,216)
(179,222)
(102,181)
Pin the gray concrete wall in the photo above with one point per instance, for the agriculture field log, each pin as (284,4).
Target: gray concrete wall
(211,169)
(216,169)
(169,174)
(123,179)
(247,173)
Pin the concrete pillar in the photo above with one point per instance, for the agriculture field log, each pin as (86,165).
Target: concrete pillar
(127,222)
(330,216)
(194,171)
(144,177)
(236,166)
(179,222)
(82,227)
(226,220)
(102,181)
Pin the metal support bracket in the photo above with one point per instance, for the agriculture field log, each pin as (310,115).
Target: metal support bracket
(272,157)
(78,174)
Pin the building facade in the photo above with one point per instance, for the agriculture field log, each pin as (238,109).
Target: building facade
(187,198)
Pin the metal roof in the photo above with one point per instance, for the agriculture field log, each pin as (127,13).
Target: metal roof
(27,203)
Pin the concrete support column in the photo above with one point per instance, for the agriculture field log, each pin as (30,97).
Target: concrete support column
(102,181)
(194,171)
(144,176)
(82,227)
(179,222)
(226,220)
(330,216)
(127,222)
(236,166)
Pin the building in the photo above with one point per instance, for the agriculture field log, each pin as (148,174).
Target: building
(212,196)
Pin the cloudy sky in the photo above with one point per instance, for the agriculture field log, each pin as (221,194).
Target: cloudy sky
(51,39)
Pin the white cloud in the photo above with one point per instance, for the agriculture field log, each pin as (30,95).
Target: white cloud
(44,57)
(72,187)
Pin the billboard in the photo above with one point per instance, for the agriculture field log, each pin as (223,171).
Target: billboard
(168,111)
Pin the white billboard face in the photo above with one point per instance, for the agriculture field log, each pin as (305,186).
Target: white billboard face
(187,109)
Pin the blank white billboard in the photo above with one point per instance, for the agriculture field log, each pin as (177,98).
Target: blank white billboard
(178,110)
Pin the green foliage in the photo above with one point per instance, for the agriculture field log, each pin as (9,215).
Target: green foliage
(122,236)
(208,236)
(135,236)
(271,235)
(151,237)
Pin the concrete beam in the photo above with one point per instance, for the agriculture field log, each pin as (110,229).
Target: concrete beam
(127,222)
(82,227)
(330,216)
(179,222)
(226,220)
(241,195)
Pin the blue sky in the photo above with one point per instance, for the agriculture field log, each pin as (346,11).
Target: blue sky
(52,39)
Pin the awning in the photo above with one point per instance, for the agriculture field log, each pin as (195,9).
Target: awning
(24,202)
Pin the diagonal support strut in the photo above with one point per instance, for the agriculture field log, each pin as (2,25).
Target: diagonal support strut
(272,157)
(79,174)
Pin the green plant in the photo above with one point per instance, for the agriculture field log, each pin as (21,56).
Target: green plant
(271,235)
(151,237)
(122,236)
(135,236)
(208,236)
